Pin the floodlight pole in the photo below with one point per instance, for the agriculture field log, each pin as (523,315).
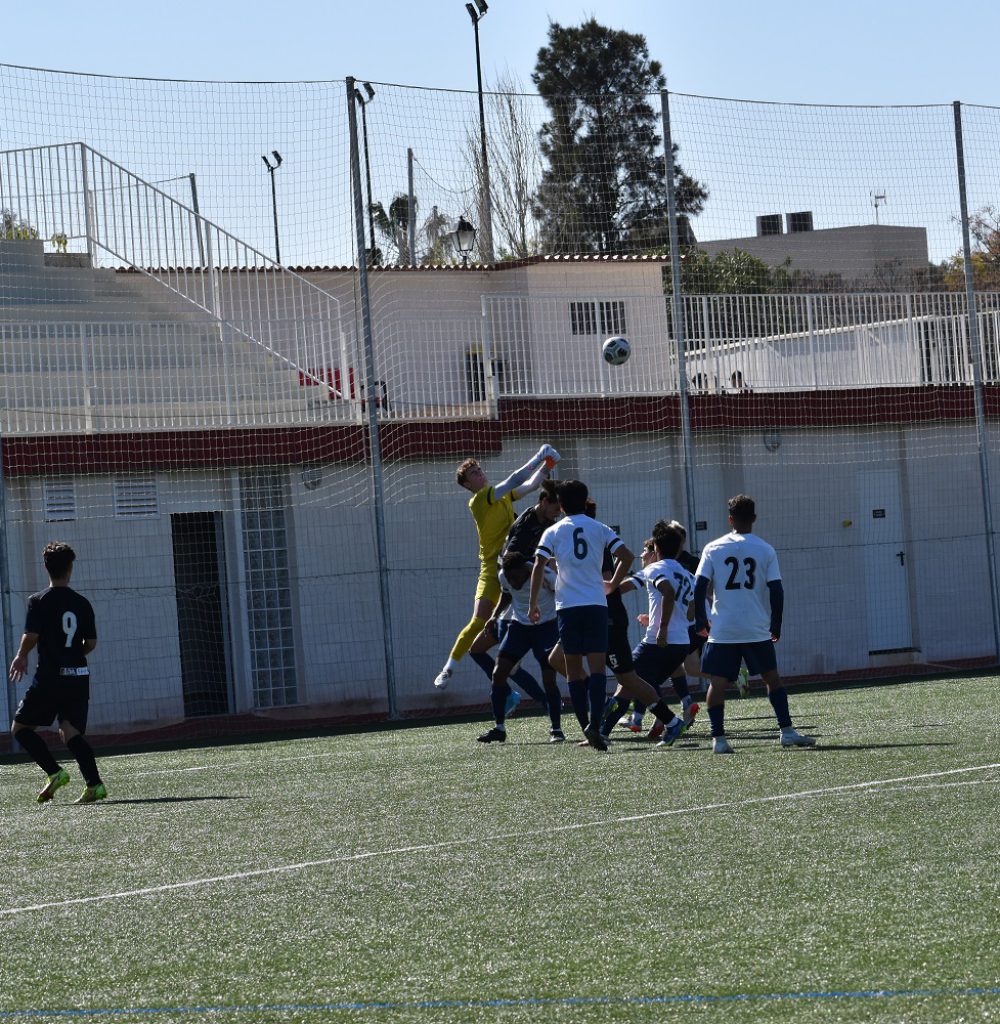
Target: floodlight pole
(372,395)
(975,357)
(680,339)
(485,201)
(7,647)
(368,166)
(274,199)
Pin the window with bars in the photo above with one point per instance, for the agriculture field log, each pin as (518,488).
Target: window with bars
(269,591)
(583,317)
(613,318)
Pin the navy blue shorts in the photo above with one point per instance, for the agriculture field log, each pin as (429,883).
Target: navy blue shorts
(539,639)
(500,630)
(657,664)
(47,700)
(619,649)
(724,659)
(583,630)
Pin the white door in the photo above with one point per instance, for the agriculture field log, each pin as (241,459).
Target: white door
(886,556)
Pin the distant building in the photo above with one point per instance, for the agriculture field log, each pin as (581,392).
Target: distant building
(855,253)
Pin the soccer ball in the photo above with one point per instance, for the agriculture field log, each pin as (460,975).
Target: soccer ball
(616,351)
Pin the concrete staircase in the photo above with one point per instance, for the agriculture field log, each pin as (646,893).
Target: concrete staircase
(94,350)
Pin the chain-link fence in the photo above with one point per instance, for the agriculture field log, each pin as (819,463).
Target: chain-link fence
(254,456)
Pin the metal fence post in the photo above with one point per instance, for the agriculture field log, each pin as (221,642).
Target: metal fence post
(975,356)
(677,300)
(372,395)
(7,646)
(411,209)
(88,202)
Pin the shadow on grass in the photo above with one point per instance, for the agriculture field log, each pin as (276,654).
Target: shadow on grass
(169,799)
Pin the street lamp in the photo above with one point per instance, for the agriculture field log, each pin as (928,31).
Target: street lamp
(476,11)
(464,237)
(271,168)
(368,167)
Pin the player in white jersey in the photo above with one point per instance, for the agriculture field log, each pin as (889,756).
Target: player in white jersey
(670,588)
(521,636)
(743,571)
(619,657)
(575,545)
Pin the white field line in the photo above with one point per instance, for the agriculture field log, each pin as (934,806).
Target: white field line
(499,837)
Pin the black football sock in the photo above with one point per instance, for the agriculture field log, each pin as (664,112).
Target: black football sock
(39,752)
(613,714)
(484,661)
(663,711)
(553,701)
(717,716)
(779,701)
(84,754)
(597,691)
(498,699)
(578,698)
(680,684)
(527,683)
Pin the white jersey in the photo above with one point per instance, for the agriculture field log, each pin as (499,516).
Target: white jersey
(681,582)
(740,566)
(517,610)
(577,544)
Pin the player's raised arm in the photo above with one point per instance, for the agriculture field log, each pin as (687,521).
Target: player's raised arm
(530,476)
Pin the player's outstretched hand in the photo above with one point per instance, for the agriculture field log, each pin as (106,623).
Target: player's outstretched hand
(18,667)
(548,455)
(642,618)
(534,613)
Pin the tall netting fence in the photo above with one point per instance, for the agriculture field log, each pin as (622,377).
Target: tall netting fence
(244,343)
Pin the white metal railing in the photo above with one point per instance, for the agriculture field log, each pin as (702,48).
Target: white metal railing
(124,221)
(741,343)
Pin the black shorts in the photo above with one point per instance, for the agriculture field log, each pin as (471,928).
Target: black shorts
(67,700)
(619,651)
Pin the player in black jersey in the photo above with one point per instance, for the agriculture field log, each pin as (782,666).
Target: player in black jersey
(60,624)
(522,538)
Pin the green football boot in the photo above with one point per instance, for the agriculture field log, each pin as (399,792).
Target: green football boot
(56,781)
(92,794)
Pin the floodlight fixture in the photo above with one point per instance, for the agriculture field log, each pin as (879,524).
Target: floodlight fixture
(271,168)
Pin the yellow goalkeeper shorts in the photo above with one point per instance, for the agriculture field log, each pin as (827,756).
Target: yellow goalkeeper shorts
(488,587)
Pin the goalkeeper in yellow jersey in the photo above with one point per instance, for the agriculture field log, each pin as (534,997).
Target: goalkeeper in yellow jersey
(492,508)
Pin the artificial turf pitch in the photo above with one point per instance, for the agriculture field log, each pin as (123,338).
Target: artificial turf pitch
(413,874)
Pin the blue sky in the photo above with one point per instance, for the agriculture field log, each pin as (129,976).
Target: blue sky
(776,156)
(849,52)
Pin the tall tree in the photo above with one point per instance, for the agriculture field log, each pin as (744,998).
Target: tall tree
(602,190)
(515,167)
(393,225)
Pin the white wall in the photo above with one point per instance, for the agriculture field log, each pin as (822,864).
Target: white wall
(809,507)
